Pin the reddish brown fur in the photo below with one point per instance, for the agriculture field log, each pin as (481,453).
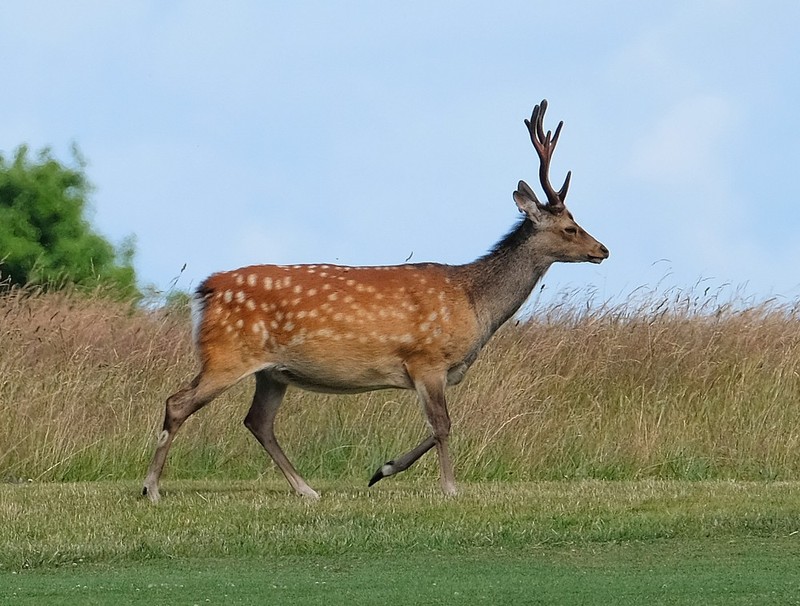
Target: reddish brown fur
(342,328)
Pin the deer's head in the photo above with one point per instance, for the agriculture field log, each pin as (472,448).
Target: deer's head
(558,235)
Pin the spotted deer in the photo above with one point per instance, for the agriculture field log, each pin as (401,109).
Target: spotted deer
(336,329)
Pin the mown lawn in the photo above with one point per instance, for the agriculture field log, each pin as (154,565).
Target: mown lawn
(578,542)
(674,571)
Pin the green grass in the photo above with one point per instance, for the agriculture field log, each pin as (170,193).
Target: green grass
(693,572)
(45,525)
(576,542)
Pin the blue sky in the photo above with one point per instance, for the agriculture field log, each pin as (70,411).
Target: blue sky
(225,134)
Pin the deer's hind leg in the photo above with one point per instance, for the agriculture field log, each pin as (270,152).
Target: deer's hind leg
(179,407)
(260,420)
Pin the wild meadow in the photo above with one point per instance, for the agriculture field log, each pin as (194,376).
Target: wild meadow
(669,385)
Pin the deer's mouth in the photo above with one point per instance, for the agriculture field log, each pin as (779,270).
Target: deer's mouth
(599,258)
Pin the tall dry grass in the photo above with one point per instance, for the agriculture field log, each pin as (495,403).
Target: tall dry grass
(668,385)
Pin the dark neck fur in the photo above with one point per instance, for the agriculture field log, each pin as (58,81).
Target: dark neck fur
(500,281)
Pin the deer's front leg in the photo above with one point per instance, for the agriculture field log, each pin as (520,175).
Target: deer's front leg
(430,390)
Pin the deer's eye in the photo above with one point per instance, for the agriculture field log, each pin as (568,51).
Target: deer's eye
(571,230)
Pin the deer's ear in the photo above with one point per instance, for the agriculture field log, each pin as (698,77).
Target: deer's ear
(527,202)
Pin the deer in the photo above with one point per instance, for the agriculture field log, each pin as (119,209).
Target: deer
(348,329)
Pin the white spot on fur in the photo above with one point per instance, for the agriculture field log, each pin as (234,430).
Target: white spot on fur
(240,297)
(297,340)
(249,304)
(267,283)
(252,279)
(311,292)
(228,297)
(298,289)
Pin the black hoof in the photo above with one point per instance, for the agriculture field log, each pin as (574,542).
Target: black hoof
(379,475)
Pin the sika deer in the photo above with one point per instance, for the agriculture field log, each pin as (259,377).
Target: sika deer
(341,329)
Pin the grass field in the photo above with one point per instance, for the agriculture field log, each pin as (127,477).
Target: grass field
(673,386)
(645,453)
(707,572)
(576,542)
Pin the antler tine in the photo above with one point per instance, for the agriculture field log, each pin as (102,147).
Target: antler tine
(545,144)
(562,193)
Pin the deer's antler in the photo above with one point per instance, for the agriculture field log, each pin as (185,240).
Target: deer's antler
(545,144)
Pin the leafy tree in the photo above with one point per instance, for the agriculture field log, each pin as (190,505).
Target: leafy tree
(45,237)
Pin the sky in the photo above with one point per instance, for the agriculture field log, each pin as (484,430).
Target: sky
(227,134)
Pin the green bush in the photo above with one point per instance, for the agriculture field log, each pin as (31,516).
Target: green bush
(45,236)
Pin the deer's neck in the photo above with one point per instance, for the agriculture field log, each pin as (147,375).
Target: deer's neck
(499,282)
